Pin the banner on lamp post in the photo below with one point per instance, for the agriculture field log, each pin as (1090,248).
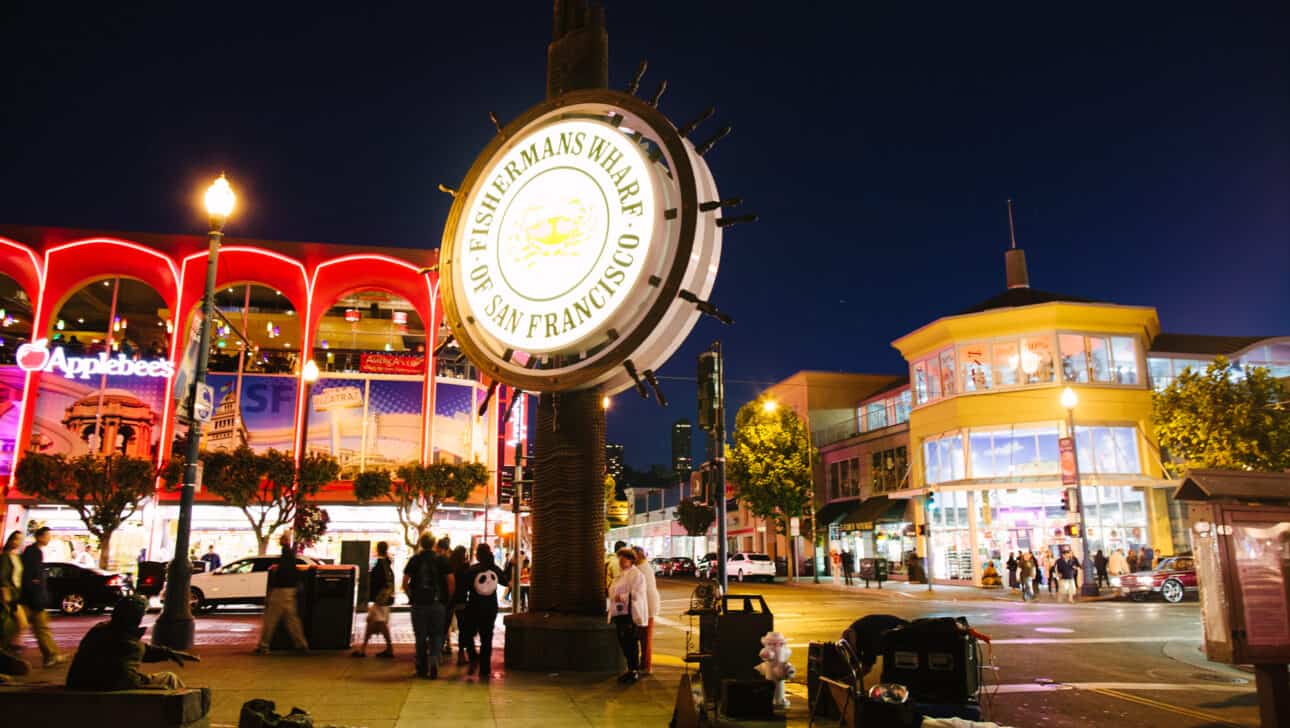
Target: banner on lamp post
(1066,447)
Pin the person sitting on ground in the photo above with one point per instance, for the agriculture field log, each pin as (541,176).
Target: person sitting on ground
(990,577)
(110,653)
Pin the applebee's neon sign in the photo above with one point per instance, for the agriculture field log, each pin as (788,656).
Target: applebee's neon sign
(37,357)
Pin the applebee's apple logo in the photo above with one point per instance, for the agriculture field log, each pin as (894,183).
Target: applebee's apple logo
(37,357)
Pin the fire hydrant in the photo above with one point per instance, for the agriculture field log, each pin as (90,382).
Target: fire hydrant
(775,666)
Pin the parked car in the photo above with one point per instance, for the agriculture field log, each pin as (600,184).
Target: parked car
(707,566)
(151,578)
(244,581)
(743,565)
(77,589)
(662,566)
(1172,579)
(681,566)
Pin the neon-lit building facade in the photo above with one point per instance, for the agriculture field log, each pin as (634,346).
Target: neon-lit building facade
(116,312)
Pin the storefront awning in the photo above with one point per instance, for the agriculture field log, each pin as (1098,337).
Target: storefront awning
(831,512)
(879,509)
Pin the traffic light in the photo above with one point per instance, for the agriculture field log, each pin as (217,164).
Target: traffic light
(1072,530)
(931,500)
(710,389)
(1066,499)
(922,529)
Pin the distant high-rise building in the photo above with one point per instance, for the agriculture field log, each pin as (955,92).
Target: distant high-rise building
(614,466)
(682,445)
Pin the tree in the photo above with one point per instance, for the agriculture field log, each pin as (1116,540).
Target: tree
(1225,418)
(771,462)
(264,485)
(695,517)
(419,490)
(104,492)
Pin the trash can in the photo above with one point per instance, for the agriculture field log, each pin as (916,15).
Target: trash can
(873,570)
(325,601)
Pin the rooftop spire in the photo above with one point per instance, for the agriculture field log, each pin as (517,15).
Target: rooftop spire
(1014,259)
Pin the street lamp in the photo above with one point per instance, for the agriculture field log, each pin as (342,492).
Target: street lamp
(605,402)
(769,406)
(1089,588)
(174,627)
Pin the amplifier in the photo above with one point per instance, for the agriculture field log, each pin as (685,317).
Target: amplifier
(748,699)
(935,658)
(824,660)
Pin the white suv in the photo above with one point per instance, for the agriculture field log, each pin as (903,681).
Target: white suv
(244,581)
(742,565)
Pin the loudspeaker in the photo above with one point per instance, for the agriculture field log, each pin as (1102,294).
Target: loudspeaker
(935,658)
(748,699)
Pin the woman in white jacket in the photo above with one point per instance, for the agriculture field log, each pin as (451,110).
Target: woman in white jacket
(629,611)
(655,603)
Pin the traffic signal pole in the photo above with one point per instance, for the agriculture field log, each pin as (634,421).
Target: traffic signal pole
(712,418)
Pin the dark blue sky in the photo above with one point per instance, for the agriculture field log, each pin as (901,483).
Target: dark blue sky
(1148,148)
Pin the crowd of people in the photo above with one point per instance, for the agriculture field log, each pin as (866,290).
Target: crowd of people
(1064,574)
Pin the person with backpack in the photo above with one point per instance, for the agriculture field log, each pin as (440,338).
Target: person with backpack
(428,583)
(482,581)
(381,587)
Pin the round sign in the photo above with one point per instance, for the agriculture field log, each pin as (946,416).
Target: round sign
(576,246)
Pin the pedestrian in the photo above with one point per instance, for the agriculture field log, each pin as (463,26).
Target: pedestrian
(990,576)
(1099,565)
(1039,574)
(848,565)
(835,562)
(11,616)
(35,596)
(443,549)
(1068,569)
(1132,560)
(655,604)
(381,588)
(1011,563)
(109,655)
(85,559)
(1117,565)
(1026,571)
(429,585)
(526,577)
(280,604)
(482,581)
(459,564)
(1148,560)
(212,559)
(628,611)
(612,570)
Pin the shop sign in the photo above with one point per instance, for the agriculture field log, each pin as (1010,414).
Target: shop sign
(379,363)
(1066,446)
(338,398)
(37,357)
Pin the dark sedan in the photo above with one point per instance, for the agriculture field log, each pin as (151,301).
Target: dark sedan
(1172,579)
(681,566)
(76,589)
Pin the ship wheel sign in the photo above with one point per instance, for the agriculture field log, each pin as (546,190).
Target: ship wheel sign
(582,245)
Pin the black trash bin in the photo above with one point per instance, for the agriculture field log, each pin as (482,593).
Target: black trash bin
(873,570)
(325,600)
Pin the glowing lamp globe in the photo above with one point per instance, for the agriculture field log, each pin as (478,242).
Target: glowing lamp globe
(1069,398)
(310,372)
(220,198)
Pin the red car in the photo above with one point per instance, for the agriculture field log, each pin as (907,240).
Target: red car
(681,566)
(1172,579)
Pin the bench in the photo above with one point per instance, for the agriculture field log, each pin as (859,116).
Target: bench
(39,705)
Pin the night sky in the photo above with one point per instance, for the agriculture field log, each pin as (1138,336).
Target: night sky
(1148,149)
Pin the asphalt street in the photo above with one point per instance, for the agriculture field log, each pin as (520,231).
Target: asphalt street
(1049,664)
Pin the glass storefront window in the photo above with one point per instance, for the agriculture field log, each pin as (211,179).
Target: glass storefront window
(947,373)
(1161,371)
(1006,364)
(1037,359)
(974,366)
(261,316)
(1074,362)
(1107,450)
(1124,353)
(1099,359)
(934,378)
(1015,451)
(371,332)
(903,406)
(921,388)
(875,415)
(943,459)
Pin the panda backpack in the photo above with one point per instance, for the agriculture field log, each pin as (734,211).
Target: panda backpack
(485,583)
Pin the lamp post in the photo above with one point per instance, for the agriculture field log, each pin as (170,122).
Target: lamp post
(174,627)
(1089,587)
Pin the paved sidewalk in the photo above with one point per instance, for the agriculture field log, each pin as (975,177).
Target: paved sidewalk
(338,689)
